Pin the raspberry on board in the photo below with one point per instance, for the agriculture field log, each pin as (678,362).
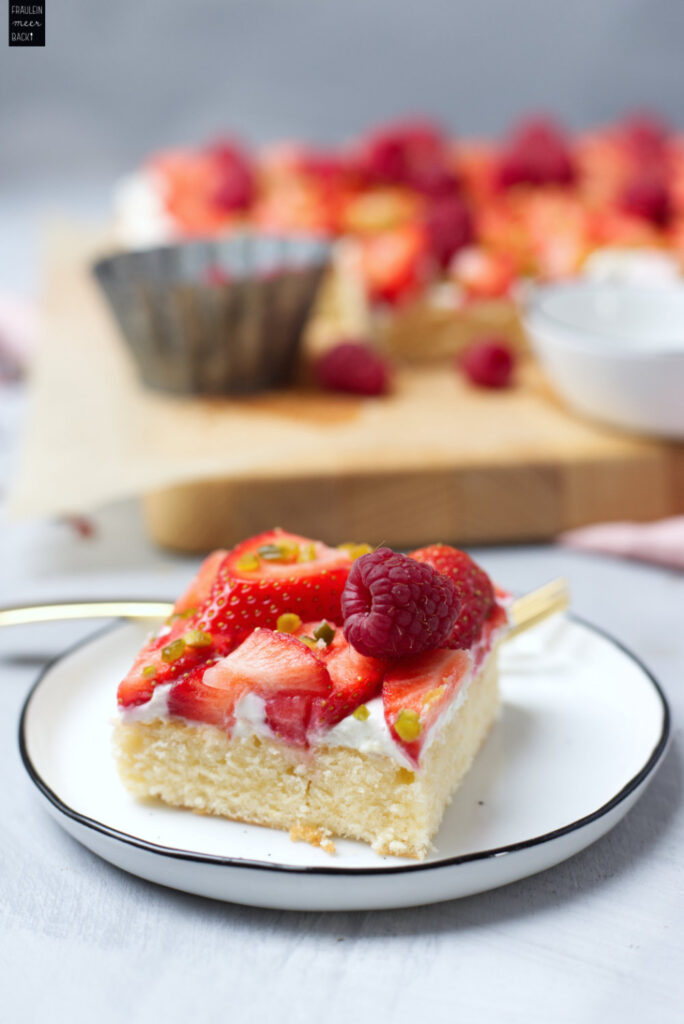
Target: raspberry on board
(488,363)
(353,367)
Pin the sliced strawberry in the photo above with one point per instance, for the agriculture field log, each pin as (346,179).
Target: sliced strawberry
(289,715)
(355,678)
(483,274)
(164,658)
(394,263)
(474,587)
(270,574)
(201,586)
(415,692)
(269,663)
(276,666)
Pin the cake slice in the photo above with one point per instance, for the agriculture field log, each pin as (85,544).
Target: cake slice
(325,691)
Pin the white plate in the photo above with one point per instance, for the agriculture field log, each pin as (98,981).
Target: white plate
(582,729)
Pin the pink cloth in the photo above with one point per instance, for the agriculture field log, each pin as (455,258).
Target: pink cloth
(18,328)
(661,542)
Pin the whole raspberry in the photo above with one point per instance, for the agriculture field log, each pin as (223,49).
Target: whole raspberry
(536,154)
(448,228)
(645,135)
(394,606)
(646,196)
(235,184)
(488,363)
(473,585)
(354,367)
(411,153)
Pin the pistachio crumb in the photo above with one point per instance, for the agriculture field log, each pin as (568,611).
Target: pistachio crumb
(408,725)
(288,622)
(325,632)
(173,651)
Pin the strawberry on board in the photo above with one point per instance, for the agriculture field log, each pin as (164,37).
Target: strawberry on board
(415,692)
(271,574)
(474,587)
(276,666)
(354,677)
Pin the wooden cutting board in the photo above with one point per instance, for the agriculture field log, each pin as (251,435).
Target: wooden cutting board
(438,460)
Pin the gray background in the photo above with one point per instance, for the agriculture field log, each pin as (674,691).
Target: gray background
(120,78)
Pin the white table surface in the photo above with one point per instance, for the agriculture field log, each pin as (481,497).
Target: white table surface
(598,938)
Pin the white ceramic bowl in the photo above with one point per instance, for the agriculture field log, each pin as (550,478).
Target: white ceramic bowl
(614,352)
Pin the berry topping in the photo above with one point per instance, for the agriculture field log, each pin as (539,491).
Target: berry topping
(166,657)
(645,135)
(415,692)
(411,153)
(488,363)
(353,367)
(235,185)
(537,154)
(647,196)
(267,663)
(200,588)
(272,574)
(483,274)
(472,584)
(392,609)
(276,666)
(355,678)
(394,265)
(448,228)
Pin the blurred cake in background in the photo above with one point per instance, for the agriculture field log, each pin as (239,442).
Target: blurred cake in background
(436,236)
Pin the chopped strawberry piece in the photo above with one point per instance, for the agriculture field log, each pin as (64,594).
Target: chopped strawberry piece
(288,715)
(415,692)
(355,678)
(474,589)
(274,573)
(269,663)
(164,658)
(200,587)
(276,666)
(394,263)
(191,698)
(483,274)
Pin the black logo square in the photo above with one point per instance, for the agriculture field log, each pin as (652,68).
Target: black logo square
(26,23)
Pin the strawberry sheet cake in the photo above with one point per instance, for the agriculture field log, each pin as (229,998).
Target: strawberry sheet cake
(325,691)
(429,218)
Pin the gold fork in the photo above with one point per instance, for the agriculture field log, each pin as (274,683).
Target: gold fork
(525,612)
